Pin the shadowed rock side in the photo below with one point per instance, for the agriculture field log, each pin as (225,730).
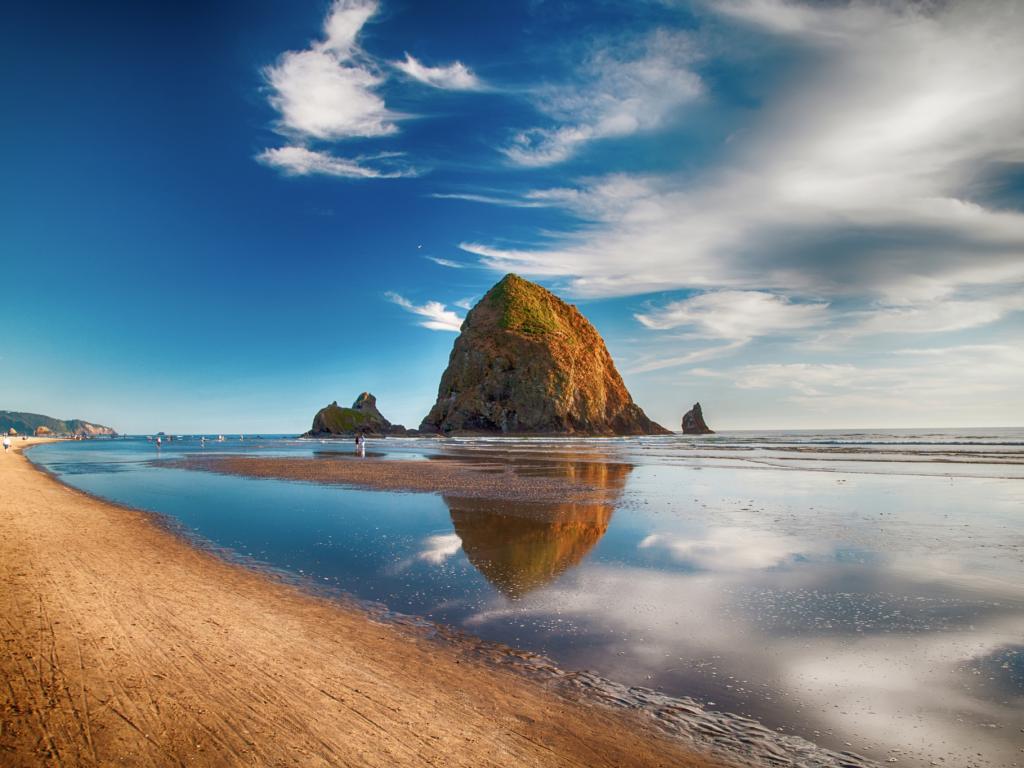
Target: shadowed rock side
(363,416)
(528,363)
(520,547)
(693,422)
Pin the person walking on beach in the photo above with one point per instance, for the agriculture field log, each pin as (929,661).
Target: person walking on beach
(7,443)
(360,444)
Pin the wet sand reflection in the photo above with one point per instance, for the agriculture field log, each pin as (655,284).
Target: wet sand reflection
(519,547)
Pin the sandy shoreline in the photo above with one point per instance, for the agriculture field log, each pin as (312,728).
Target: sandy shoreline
(122,644)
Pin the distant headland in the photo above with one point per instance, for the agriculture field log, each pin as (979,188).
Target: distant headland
(31,423)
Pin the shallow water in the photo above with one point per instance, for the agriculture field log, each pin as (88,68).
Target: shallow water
(863,590)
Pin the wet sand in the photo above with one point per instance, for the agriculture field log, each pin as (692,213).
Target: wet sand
(573,482)
(124,645)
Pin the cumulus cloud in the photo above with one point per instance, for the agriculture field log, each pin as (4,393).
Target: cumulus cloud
(328,90)
(439,317)
(299,161)
(731,548)
(437,549)
(620,93)
(737,315)
(450,77)
(858,177)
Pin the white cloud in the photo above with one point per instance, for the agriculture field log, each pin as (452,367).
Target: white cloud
(936,317)
(856,177)
(451,77)
(299,161)
(806,378)
(328,91)
(511,202)
(659,362)
(446,262)
(737,315)
(439,318)
(437,549)
(939,385)
(620,95)
(731,548)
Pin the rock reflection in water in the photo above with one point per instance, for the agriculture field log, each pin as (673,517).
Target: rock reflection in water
(520,547)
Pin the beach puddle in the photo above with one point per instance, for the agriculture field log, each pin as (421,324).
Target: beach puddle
(872,613)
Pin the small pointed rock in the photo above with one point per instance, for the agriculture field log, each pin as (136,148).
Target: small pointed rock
(693,422)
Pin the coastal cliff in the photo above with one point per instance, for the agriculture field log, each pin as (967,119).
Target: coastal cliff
(693,422)
(528,363)
(28,423)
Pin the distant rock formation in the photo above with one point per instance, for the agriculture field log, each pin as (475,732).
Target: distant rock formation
(363,417)
(528,363)
(693,422)
(28,423)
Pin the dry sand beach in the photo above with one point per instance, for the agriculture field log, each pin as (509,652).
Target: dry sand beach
(123,644)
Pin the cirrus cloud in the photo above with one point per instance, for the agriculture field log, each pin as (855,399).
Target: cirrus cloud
(861,175)
(299,161)
(450,77)
(736,315)
(439,317)
(619,94)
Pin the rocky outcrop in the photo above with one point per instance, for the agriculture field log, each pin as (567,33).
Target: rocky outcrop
(363,417)
(528,363)
(88,429)
(693,422)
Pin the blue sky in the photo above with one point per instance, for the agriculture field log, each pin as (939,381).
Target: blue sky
(220,217)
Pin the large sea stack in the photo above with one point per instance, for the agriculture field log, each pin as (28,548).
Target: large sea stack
(693,422)
(528,363)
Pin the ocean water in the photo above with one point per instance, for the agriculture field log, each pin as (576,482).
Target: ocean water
(863,590)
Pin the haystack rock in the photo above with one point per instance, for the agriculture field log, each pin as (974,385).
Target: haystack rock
(693,422)
(335,420)
(528,363)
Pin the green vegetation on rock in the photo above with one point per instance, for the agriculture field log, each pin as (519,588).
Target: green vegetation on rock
(525,307)
(340,420)
(363,416)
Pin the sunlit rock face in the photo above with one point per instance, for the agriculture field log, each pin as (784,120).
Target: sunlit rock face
(521,547)
(528,363)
